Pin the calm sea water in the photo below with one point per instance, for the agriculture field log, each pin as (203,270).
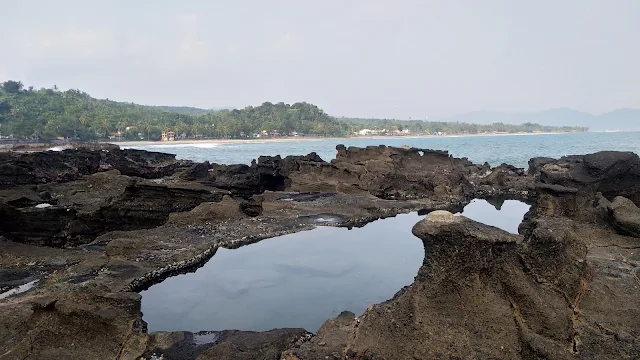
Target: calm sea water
(303,279)
(511,149)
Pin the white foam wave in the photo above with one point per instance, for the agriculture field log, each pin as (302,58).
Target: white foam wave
(173,146)
(60,148)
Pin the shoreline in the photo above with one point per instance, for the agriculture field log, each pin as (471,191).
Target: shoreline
(296,139)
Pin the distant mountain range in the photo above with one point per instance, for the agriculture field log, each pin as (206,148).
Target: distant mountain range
(619,119)
(188,110)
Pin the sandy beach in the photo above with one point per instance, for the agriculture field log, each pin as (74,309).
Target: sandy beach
(299,138)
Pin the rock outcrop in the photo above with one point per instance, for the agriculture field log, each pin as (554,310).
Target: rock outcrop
(483,293)
(622,213)
(83,211)
(406,173)
(114,221)
(567,187)
(62,166)
(267,173)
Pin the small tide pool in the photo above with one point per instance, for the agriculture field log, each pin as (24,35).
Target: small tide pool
(504,214)
(296,280)
(301,280)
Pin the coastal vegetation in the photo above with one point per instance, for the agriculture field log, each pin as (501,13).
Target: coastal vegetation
(27,113)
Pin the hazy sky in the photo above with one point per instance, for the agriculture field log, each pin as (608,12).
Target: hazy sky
(378,58)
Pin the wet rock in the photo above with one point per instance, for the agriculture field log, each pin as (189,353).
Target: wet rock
(10,278)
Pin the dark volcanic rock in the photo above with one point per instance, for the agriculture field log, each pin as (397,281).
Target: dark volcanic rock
(251,207)
(407,173)
(613,173)
(141,163)
(137,206)
(196,171)
(44,167)
(268,173)
(568,186)
(68,165)
(566,288)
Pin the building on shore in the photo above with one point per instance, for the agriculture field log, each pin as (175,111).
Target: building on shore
(168,136)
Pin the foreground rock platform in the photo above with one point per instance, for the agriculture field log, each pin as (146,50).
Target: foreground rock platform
(87,229)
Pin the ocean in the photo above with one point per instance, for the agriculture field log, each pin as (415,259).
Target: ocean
(510,149)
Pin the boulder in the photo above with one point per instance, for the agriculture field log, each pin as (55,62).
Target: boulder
(567,187)
(625,215)
(611,173)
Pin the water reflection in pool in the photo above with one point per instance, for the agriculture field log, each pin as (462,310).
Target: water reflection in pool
(303,279)
(297,280)
(504,214)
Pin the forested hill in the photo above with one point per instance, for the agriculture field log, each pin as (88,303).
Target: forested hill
(50,113)
(28,113)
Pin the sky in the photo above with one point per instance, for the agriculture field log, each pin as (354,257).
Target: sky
(366,58)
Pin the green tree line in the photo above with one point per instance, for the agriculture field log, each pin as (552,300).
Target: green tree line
(433,127)
(49,113)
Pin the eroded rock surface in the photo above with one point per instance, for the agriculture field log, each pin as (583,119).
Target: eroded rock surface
(486,294)
(411,173)
(566,288)
(68,165)
(569,185)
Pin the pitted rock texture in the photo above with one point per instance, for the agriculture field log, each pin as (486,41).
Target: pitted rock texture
(69,165)
(405,173)
(566,288)
(562,290)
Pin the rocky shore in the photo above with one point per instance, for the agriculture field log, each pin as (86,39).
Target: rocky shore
(83,230)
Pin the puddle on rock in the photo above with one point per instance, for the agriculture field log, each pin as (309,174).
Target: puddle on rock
(504,214)
(206,337)
(293,281)
(19,289)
